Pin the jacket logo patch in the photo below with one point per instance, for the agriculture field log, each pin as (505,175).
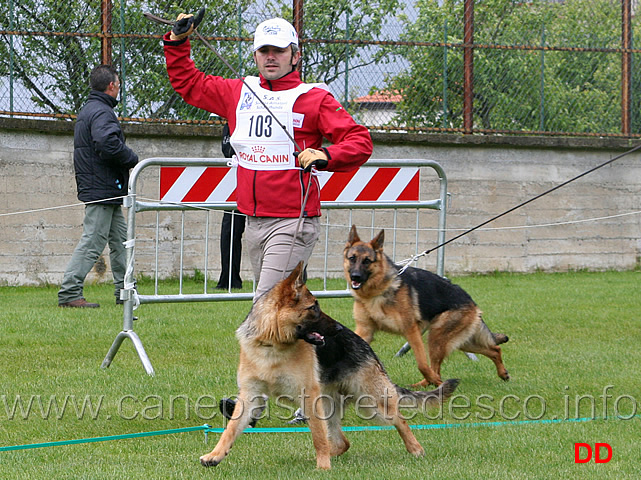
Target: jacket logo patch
(247,101)
(297,120)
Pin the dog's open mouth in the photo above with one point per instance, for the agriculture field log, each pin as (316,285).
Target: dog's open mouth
(356,285)
(315,338)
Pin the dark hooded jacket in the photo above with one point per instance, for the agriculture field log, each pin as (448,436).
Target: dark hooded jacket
(100,157)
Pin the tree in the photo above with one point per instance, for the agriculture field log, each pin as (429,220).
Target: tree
(514,89)
(54,66)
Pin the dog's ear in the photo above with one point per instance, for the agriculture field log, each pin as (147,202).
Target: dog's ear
(353,237)
(295,281)
(377,241)
(298,276)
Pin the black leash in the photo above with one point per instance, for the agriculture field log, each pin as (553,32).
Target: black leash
(426,252)
(160,20)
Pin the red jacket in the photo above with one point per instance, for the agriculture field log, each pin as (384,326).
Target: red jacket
(276,193)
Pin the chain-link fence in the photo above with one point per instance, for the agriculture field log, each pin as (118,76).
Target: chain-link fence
(496,66)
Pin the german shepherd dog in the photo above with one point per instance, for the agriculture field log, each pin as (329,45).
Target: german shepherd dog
(350,371)
(274,361)
(409,303)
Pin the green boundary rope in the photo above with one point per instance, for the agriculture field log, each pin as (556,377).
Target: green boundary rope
(429,427)
(103,439)
(207,429)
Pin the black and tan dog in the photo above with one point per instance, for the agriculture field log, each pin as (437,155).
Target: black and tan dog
(350,372)
(408,303)
(274,361)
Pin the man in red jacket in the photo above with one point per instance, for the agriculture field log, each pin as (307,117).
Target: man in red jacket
(271,183)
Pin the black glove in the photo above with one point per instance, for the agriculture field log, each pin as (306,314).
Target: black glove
(319,163)
(185,24)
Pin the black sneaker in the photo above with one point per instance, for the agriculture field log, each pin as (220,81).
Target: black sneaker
(298,418)
(227,406)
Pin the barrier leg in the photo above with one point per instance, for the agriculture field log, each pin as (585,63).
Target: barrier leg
(128,332)
(406,348)
(146,363)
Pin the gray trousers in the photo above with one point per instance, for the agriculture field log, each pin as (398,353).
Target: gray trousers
(268,243)
(102,224)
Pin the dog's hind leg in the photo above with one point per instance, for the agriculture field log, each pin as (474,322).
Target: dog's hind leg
(441,340)
(493,352)
(387,410)
(334,406)
(415,339)
(484,343)
(239,421)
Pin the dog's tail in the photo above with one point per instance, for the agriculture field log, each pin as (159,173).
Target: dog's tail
(433,398)
(500,338)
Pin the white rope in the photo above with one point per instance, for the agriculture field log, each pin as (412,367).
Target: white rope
(516,227)
(129,272)
(406,263)
(73,205)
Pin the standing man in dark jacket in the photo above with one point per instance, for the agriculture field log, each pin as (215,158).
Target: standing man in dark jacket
(101,163)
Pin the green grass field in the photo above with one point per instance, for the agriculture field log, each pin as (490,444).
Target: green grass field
(573,354)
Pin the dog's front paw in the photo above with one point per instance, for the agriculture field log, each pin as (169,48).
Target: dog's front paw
(209,460)
(416,450)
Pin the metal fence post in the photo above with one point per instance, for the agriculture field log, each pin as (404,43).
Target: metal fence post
(123,63)
(128,293)
(444,121)
(542,88)
(105,32)
(347,52)
(626,65)
(468,67)
(11,73)
(297,14)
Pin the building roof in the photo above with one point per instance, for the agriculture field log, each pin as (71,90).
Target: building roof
(380,96)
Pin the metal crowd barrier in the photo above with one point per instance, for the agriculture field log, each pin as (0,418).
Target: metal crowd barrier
(132,298)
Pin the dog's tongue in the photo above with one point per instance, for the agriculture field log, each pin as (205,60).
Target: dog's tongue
(316,337)
(356,285)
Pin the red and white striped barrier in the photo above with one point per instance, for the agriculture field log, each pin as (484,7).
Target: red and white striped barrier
(366,184)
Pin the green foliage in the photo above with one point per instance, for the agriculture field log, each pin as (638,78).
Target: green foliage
(55,66)
(148,86)
(554,88)
(514,89)
(342,20)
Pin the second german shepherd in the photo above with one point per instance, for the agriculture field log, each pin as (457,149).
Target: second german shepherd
(412,302)
(351,372)
(274,361)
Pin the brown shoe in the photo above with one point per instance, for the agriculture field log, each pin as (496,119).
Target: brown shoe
(80,303)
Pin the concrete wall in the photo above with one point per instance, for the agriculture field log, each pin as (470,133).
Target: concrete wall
(580,226)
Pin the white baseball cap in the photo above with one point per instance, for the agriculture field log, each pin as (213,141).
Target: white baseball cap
(277,32)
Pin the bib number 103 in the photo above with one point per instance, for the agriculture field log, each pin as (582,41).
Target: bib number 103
(260,126)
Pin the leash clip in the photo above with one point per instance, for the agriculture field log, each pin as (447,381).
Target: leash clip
(233,162)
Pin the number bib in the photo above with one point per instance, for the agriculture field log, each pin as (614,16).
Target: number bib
(258,140)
